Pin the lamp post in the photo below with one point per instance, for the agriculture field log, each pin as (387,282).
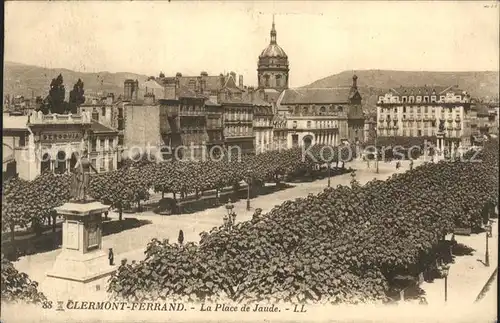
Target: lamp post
(487,254)
(329,173)
(249,179)
(445,271)
(230,217)
(376,152)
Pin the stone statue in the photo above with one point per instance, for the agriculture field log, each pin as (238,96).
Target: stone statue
(441,125)
(80,182)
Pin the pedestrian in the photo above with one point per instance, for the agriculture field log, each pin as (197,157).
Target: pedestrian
(411,164)
(111,257)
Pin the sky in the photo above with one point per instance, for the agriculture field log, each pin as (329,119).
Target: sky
(320,38)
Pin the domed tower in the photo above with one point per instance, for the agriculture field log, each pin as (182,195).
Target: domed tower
(273,68)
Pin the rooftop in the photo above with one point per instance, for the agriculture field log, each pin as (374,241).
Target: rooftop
(315,95)
(97,127)
(14,122)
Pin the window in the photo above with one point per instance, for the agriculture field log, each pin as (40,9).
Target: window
(103,111)
(95,114)
(404,109)
(420,133)
(94,146)
(419,99)
(266,80)
(426,110)
(22,141)
(120,113)
(411,99)
(308,124)
(322,110)
(305,110)
(278,80)
(433,98)
(442,98)
(426,99)
(404,99)
(340,108)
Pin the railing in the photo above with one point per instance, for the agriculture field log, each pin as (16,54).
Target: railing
(192,113)
(40,118)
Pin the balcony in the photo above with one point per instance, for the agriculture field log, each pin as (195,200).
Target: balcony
(192,113)
(38,118)
(214,127)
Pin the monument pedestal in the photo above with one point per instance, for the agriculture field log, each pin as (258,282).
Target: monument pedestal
(82,265)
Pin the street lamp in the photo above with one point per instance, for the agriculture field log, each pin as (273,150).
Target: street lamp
(229,218)
(445,269)
(487,254)
(376,152)
(329,172)
(249,179)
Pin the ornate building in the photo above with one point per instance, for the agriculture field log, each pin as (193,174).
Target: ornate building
(325,115)
(272,70)
(422,111)
(40,143)
(322,115)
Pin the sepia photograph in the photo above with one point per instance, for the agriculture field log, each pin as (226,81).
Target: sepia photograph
(250,161)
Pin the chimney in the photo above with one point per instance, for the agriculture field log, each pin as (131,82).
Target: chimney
(240,81)
(127,90)
(135,90)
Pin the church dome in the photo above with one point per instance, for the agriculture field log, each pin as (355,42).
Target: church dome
(273,50)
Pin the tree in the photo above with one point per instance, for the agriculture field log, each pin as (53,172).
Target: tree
(76,96)
(17,286)
(54,102)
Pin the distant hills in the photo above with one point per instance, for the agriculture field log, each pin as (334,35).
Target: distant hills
(483,85)
(21,79)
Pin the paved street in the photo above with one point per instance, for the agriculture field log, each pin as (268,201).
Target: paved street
(468,274)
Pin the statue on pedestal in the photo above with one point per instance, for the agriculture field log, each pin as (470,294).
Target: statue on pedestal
(80,182)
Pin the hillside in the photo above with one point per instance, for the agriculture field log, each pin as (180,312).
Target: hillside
(20,79)
(482,85)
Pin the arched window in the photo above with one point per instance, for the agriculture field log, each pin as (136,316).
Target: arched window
(340,108)
(305,111)
(45,163)
(278,80)
(308,124)
(322,110)
(60,162)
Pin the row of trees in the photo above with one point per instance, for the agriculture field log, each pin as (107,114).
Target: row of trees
(55,103)
(345,245)
(32,202)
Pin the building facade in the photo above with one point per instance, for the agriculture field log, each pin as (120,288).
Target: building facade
(426,111)
(321,115)
(263,117)
(41,143)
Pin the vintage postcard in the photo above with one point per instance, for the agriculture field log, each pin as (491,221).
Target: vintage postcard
(250,161)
